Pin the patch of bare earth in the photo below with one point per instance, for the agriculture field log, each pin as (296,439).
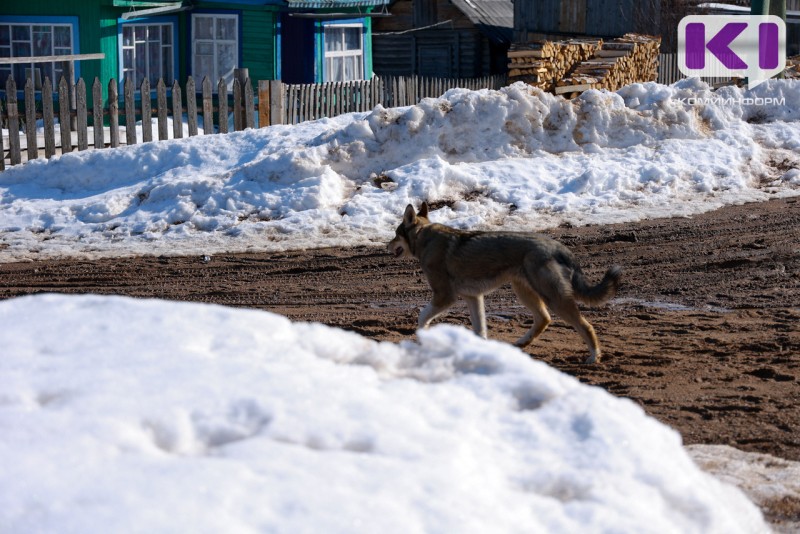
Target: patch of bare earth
(704,333)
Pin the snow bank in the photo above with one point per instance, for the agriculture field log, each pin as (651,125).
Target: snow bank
(139,416)
(517,158)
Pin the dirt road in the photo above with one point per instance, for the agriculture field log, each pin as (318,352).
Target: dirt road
(704,334)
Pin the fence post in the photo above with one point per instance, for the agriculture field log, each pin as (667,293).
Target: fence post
(147,111)
(208,107)
(237,105)
(113,113)
(80,113)
(130,112)
(291,106)
(97,114)
(13,122)
(263,104)
(222,104)
(191,106)
(240,75)
(30,119)
(68,68)
(276,102)
(249,104)
(64,116)
(177,111)
(161,99)
(49,119)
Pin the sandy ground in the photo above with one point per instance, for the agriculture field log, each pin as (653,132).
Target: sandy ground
(704,333)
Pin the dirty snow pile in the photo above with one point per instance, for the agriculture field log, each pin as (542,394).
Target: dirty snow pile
(517,158)
(131,415)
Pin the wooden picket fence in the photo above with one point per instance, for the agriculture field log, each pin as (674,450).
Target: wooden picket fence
(273,103)
(313,101)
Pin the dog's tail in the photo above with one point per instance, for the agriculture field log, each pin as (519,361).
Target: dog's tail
(599,294)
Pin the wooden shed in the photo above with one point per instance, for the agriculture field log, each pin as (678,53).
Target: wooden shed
(443,38)
(537,19)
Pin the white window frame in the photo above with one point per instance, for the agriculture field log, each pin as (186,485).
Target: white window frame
(169,49)
(334,54)
(53,68)
(215,42)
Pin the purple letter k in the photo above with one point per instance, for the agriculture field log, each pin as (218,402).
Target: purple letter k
(719,45)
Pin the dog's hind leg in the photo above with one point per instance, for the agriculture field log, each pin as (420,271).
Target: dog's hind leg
(532,301)
(568,310)
(548,281)
(477,315)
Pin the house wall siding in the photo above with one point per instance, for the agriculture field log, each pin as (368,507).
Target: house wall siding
(258,44)
(453,49)
(593,17)
(89,35)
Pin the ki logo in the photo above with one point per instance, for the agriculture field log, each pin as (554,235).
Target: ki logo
(729,45)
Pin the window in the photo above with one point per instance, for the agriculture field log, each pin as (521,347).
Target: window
(30,39)
(215,47)
(147,53)
(344,53)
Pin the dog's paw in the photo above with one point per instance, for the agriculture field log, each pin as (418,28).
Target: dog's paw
(592,358)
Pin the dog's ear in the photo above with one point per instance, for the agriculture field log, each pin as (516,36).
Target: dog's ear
(423,210)
(409,217)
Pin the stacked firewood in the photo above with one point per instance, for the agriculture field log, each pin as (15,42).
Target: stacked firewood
(792,67)
(543,63)
(628,59)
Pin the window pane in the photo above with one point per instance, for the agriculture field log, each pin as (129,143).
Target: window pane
(166,35)
(154,60)
(21,33)
(166,64)
(140,32)
(19,73)
(5,51)
(42,45)
(352,38)
(21,49)
(127,59)
(127,36)
(5,35)
(226,61)
(141,62)
(226,29)
(45,70)
(62,37)
(337,69)
(204,67)
(204,27)
(154,34)
(204,49)
(333,39)
(349,68)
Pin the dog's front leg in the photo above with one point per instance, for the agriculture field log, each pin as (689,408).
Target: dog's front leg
(438,305)
(477,315)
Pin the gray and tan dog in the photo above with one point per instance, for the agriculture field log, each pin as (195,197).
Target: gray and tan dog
(543,273)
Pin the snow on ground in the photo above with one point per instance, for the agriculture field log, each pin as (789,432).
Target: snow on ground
(772,483)
(151,416)
(516,158)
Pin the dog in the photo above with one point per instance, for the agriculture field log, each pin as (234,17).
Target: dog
(468,264)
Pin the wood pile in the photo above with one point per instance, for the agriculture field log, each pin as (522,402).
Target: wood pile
(543,63)
(792,68)
(628,59)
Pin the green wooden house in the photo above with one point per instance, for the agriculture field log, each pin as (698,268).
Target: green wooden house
(299,41)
